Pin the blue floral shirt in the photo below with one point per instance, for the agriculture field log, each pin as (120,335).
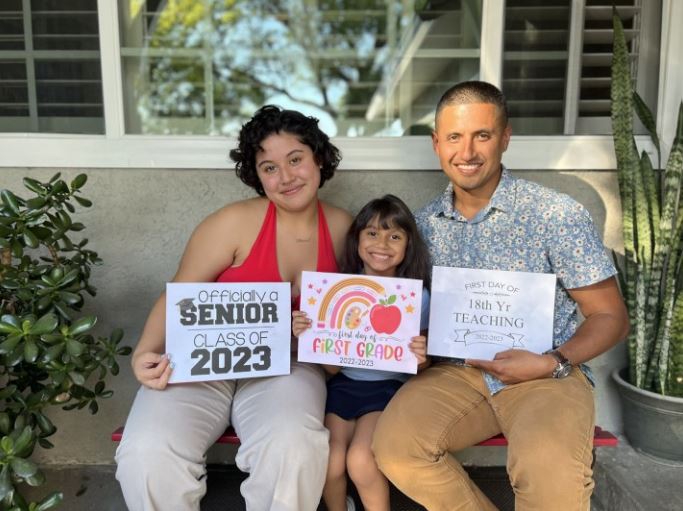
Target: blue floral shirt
(525,227)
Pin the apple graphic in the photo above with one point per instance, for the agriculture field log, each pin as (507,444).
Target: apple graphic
(385,317)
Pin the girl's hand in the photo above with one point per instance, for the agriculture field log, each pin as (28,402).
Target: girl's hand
(152,369)
(418,347)
(300,323)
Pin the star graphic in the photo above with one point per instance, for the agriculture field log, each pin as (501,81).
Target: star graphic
(412,294)
(398,286)
(312,300)
(410,309)
(310,286)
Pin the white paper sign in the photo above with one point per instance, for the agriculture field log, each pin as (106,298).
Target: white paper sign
(478,313)
(226,331)
(360,321)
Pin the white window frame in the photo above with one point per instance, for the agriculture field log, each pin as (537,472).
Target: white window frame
(116,149)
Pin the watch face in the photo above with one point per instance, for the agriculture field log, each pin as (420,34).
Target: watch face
(562,371)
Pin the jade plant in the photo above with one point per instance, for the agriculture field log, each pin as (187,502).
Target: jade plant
(48,353)
(651,276)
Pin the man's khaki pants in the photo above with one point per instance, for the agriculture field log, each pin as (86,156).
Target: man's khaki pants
(548,423)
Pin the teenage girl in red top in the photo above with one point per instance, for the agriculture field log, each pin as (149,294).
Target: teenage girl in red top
(285,157)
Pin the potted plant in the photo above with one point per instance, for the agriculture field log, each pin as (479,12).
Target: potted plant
(48,355)
(651,277)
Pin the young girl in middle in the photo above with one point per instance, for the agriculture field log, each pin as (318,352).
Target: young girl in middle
(383,240)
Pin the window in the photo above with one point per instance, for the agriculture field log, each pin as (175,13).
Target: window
(160,83)
(363,67)
(557,58)
(50,79)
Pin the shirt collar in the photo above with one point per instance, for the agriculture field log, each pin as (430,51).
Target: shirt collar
(503,198)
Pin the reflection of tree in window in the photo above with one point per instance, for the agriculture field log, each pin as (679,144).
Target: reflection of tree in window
(325,54)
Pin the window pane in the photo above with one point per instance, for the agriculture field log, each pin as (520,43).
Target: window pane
(50,77)
(641,22)
(552,91)
(364,67)
(535,64)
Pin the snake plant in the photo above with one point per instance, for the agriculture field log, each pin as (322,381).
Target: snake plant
(653,228)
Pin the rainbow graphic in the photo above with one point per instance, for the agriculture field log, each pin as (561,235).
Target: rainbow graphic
(345,294)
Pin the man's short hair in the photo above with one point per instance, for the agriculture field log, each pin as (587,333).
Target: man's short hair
(474,92)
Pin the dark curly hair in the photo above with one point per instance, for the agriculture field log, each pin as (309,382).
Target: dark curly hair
(272,119)
(390,211)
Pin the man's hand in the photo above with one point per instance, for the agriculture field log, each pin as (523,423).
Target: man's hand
(515,366)
(152,369)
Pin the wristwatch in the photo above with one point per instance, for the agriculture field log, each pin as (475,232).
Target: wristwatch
(563,367)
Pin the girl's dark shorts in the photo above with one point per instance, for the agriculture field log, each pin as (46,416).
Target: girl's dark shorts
(350,399)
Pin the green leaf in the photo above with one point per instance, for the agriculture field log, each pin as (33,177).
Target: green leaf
(116,335)
(77,226)
(9,344)
(9,324)
(82,325)
(45,444)
(24,440)
(78,181)
(648,120)
(44,325)
(4,423)
(7,391)
(30,239)
(17,249)
(34,185)
(6,486)
(93,407)
(45,424)
(86,203)
(392,299)
(74,348)
(10,201)
(35,203)
(70,276)
(52,500)
(55,177)
(23,467)
(7,444)
(30,351)
(70,298)
(36,479)
(65,219)
(52,353)
(77,377)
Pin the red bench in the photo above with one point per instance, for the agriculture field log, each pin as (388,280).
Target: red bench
(601,438)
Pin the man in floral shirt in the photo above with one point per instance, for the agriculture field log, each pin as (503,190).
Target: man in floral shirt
(543,403)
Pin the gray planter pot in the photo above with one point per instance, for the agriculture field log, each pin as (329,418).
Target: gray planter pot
(653,423)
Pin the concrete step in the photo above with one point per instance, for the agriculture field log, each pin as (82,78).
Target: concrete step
(625,481)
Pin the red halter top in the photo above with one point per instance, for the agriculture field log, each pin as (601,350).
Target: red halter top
(261,263)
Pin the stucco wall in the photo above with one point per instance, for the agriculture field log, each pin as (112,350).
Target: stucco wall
(141,220)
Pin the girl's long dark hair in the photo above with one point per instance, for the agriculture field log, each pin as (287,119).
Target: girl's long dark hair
(390,211)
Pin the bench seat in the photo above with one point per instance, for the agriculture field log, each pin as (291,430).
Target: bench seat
(601,438)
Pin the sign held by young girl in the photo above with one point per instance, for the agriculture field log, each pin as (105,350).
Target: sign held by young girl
(360,320)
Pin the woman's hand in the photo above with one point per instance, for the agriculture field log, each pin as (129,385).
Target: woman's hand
(300,323)
(418,347)
(152,369)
